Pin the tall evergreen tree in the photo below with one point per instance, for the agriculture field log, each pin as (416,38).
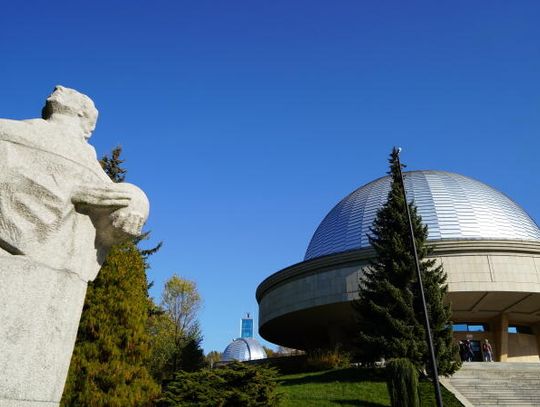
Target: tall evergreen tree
(435,289)
(108,366)
(389,307)
(192,356)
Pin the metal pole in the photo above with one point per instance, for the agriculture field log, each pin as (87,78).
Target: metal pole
(435,374)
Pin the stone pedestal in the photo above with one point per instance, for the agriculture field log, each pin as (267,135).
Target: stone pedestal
(38,328)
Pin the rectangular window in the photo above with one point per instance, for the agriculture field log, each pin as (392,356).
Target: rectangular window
(477,328)
(247,328)
(471,327)
(520,329)
(460,327)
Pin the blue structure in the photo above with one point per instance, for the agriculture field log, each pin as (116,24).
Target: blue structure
(246,329)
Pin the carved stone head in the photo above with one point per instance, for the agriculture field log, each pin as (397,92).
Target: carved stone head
(68,102)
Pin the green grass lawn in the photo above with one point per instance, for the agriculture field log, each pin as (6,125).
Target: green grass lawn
(348,387)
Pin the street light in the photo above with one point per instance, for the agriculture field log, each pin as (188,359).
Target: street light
(434,371)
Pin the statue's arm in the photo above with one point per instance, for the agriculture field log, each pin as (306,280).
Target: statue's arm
(118,211)
(100,197)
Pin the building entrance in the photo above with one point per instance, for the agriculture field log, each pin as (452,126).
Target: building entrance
(477,351)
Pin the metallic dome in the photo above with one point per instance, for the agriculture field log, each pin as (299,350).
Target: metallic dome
(452,205)
(243,349)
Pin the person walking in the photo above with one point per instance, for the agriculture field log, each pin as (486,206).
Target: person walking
(487,351)
(469,354)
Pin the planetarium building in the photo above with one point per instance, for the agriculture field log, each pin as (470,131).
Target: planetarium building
(488,245)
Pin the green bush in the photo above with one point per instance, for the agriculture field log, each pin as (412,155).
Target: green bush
(234,385)
(402,382)
(324,359)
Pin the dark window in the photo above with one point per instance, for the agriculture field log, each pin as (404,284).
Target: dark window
(520,329)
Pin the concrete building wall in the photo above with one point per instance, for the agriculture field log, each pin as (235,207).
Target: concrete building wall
(522,348)
(495,282)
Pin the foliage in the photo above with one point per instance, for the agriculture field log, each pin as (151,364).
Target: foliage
(108,363)
(112,165)
(174,330)
(435,289)
(324,359)
(284,351)
(212,357)
(108,366)
(182,302)
(234,385)
(389,310)
(402,383)
(192,355)
(146,253)
(162,345)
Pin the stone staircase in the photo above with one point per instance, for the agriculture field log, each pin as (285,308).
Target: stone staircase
(497,384)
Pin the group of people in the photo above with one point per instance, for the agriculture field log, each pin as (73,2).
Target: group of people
(467,353)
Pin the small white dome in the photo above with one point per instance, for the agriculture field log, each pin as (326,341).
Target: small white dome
(243,349)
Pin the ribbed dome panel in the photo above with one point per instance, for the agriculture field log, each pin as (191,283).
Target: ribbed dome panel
(243,349)
(452,205)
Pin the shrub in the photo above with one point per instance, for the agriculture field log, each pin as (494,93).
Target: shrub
(402,382)
(234,385)
(324,359)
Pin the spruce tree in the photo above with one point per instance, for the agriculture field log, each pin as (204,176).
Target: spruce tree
(192,355)
(435,289)
(112,165)
(389,309)
(108,366)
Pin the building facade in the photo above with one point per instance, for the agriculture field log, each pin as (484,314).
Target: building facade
(488,245)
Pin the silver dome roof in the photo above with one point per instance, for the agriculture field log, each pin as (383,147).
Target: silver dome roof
(243,349)
(452,205)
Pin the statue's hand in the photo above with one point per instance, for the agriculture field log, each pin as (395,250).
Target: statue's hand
(101,197)
(118,211)
(128,222)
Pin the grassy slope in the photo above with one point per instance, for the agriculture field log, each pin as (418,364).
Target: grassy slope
(347,387)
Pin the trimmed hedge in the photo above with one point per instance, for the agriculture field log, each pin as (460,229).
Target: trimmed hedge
(233,385)
(402,383)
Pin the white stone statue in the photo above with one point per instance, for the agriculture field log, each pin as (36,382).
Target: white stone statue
(59,215)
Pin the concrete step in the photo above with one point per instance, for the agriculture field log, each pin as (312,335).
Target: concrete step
(498,384)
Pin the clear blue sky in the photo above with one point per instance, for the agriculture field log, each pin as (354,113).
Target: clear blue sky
(246,121)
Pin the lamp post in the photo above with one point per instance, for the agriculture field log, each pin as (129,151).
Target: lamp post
(434,371)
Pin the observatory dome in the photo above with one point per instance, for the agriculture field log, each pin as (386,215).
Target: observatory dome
(243,349)
(453,206)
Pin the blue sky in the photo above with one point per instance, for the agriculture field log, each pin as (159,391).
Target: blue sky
(246,121)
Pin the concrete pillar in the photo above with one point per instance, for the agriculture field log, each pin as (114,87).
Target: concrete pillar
(536,330)
(501,337)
